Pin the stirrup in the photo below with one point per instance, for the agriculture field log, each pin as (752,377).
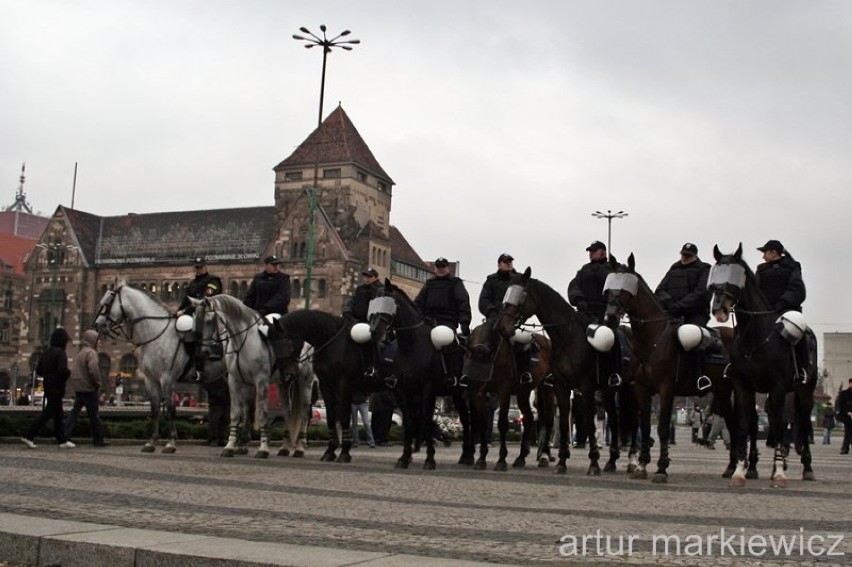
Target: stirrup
(370,372)
(548,380)
(391,381)
(804,374)
(526,379)
(199,376)
(614,380)
(703,383)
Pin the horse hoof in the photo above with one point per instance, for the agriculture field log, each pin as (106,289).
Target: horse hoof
(148,448)
(298,454)
(466,460)
(283,452)
(808,475)
(401,464)
(639,474)
(344,458)
(261,455)
(609,467)
(328,456)
(227,453)
(429,465)
(519,463)
(543,462)
(560,469)
(751,474)
(778,483)
(737,482)
(501,466)
(241,451)
(660,478)
(594,470)
(169,449)
(479,465)
(630,469)
(729,472)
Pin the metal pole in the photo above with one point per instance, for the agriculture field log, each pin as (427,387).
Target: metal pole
(609,215)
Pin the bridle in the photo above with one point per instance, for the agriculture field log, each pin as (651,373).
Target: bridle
(123,327)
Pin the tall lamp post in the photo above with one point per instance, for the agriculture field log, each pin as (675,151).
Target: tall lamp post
(327,45)
(609,215)
(55,256)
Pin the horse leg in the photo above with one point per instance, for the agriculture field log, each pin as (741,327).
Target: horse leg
(613,425)
(564,401)
(305,408)
(331,421)
(261,419)
(644,402)
(171,419)
(743,408)
(804,405)
(778,478)
(663,431)
(346,428)
(409,418)
(246,419)
(502,431)
(236,416)
(527,430)
(154,400)
(592,432)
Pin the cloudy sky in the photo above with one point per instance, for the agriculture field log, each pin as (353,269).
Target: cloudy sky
(504,124)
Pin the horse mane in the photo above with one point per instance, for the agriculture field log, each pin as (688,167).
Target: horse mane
(130,287)
(233,308)
(312,320)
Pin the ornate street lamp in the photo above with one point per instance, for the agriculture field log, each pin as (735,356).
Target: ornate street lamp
(609,215)
(327,45)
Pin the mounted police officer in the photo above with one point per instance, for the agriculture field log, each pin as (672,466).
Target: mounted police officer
(586,293)
(445,300)
(491,302)
(202,285)
(269,291)
(683,293)
(356,310)
(779,278)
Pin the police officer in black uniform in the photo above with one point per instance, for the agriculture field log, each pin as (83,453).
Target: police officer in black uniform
(445,300)
(269,291)
(779,277)
(683,293)
(495,286)
(202,285)
(356,310)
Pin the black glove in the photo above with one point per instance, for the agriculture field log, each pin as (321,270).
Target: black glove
(673,310)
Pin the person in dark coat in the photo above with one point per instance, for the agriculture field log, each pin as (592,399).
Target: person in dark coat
(269,291)
(683,290)
(828,423)
(202,285)
(356,310)
(218,411)
(445,300)
(585,292)
(495,286)
(382,405)
(53,368)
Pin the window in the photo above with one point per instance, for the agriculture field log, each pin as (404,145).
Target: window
(7,297)
(361,176)
(128,366)
(5,335)
(322,290)
(296,288)
(383,187)
(331,173)
(104,363)
(234,289)
(243,289)
(293,176)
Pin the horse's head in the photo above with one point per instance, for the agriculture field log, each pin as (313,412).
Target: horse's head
(726,281)
(111,314)
(206,324)
(382,311)
(517,307)
(620,289)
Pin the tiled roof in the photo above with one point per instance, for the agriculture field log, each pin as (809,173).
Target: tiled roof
(336,141)
(401,250)
(219,235)
(13,251)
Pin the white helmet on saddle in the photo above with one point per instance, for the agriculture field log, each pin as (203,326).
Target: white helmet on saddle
(600,337)
(360,333)
(184,323)
(442,336)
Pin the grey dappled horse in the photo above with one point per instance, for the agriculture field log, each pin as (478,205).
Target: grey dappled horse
(136,316)
(296,404)
(249,359)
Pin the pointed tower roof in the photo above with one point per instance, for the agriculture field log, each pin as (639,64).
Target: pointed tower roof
(336,141)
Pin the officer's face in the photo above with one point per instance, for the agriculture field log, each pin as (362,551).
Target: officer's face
(771,255)
(504,266)
(441,271)
(271,268)
(200,270)
(370,280)
(598,254)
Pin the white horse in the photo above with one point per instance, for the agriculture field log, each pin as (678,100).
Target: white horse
(140,318)
(224,319)
(296,404)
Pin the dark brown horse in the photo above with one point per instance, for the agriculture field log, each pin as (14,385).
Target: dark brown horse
(763,361)
(573,360)
(657,365)
(491,368)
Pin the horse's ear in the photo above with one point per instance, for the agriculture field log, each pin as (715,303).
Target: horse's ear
(631,262)
(739,253)
(527,273)
(388,283)
(613,261)
(716,253)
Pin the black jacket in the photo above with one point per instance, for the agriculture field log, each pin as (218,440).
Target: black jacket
(844,405)
(683,291)
(53,364)
(493,292)
(446,301)
(781,283)
(269,293)
(359,303)
(585,292)
(197,289)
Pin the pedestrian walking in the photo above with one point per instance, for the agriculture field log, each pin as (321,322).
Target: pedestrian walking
(53,368)
(86,383)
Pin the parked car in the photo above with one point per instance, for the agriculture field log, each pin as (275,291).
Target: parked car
(516,419)
(762,425)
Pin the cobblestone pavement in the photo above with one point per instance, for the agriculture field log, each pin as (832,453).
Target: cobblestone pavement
(520,517)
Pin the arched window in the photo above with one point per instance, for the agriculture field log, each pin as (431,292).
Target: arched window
(243,289)
(322,290)
(234,288)
(104,363)
(128,365)
(296,288)
(302,252)
(164,291)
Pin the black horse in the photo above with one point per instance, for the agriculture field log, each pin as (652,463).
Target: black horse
(763,361)
(338,363)
(491,368)
(573,362)
(420,374)
(658,366)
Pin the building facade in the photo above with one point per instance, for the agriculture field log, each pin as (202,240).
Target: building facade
(79,255)
(837,361)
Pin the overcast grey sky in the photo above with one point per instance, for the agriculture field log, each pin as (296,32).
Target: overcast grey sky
(504,124)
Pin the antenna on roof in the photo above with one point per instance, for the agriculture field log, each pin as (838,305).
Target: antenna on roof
(21,203)
(74,186)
